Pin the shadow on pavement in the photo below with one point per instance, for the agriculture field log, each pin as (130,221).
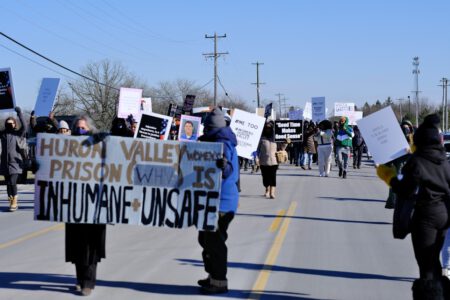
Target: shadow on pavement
(352,199)
(316,219)
(327,273)
(60,283)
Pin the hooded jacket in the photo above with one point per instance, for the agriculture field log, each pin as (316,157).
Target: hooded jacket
(11,159)
(344,135)
(229,195)
(427,169)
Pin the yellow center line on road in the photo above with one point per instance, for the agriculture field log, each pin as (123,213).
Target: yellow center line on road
(277,221)
(263,277)
(31,235)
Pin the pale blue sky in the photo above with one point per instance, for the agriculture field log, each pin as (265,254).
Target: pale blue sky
(347,51)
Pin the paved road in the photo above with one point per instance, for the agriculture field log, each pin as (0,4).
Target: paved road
(321,238)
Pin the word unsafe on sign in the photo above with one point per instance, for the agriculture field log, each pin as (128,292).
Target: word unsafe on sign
(127,181)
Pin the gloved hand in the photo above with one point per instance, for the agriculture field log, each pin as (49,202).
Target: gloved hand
(386,173)
(221,163)
(17,109)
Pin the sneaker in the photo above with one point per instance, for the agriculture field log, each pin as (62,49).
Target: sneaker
(303,167)
(446,272)
(203,282)
(213,289)
(344,174)
(86,291)
(340,172)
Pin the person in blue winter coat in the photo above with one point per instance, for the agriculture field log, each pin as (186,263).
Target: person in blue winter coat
(215,251)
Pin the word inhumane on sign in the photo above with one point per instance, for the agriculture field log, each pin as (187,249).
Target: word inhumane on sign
(127,181)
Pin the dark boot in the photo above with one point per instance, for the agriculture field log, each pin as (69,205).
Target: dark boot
(340,172)
(425,289)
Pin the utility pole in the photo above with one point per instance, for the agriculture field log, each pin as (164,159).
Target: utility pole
(416,72)
(215,55)
(444,104)
(279,102)
(409,106)
(257,82)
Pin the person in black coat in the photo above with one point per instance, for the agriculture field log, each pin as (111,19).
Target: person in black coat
(357,145)
(85,243)
(427,175)
(11,164)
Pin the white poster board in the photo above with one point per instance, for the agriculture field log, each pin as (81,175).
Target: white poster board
(129,102)
(340,109)
(248,128)
(7,98)
(353,116)
(318,109)
(307,112)
(383,136)
(46,97)
(189,128)
(127,181)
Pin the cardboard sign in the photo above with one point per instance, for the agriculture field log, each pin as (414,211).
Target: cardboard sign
(341,109)
(154,126)
(188,104)
(318,109)
(189,128)
(248,128)
(296,114)
(129,103)
(7,99)
(383,136)
(289,129)
(122,180)
(307,112)
(46,97)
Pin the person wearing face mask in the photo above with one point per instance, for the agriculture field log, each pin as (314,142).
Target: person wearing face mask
(85,243)
(11,165)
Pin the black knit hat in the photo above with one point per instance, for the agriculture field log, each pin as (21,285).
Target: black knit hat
(428,132)
(215,119)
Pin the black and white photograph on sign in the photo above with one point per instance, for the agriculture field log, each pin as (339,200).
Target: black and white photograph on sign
(154,126)
(189,127)
(7,100)
(289,129)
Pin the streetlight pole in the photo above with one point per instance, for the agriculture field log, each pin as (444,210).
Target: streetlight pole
(416,72)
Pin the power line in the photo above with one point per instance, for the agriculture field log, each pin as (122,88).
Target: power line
(72,71)
(35,62)
(226,93)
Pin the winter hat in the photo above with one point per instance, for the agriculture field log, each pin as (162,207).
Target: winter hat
(215,119)
(428,132)
(63,125)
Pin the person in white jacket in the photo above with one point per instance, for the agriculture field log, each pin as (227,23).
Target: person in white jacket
(324,138)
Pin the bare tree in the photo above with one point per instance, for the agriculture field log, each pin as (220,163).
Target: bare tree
(98,97)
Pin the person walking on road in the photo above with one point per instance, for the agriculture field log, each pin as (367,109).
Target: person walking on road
(310,147)
(343,139)
(358,146)
(215,251)
(11,165)
(427,175)
(85,243)
(325,147)
(267,159)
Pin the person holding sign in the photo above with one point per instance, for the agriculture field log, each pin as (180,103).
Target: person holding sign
(343,139)
(426,178)
(12,138)
(215,251)
(85,243)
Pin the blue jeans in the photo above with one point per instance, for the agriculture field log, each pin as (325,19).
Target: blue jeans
(342,153)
